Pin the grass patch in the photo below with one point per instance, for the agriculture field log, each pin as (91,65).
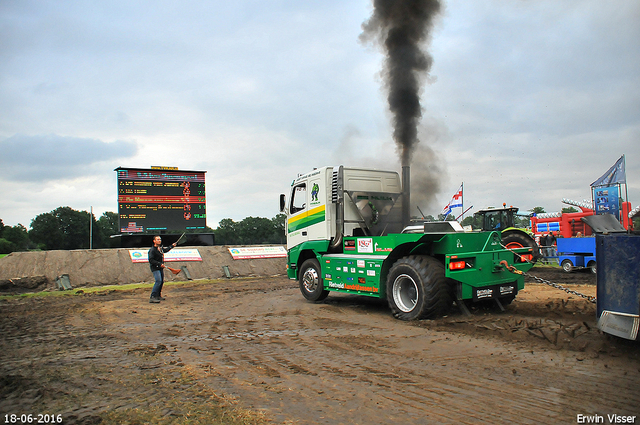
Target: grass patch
(3,255)
(130,287)
(539,265)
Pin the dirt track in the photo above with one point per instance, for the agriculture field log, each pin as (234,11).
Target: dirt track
(256,344)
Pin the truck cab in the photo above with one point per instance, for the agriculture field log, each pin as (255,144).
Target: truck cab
(332,202)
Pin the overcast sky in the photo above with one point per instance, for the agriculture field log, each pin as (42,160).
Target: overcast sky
(527,102)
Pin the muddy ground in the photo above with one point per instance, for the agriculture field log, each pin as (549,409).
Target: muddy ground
(254,351)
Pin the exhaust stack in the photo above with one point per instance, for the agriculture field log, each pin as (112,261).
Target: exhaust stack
(406,195)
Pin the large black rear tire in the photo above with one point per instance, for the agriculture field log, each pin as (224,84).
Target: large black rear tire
(418,289)
(517,239)
(310,279)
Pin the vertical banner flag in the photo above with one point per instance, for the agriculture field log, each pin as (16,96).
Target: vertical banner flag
(607,200)
(615,174)
(455,202)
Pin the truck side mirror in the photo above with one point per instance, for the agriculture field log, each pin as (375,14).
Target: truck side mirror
(282,202)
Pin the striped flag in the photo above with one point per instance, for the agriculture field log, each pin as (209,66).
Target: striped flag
(455,202)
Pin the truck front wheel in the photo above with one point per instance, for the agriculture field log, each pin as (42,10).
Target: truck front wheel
(418,289)
(310,280)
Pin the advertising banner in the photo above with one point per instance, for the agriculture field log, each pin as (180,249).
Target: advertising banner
(176,254)
(249,252)
(607,200)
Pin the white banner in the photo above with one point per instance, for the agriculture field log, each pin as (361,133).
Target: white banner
(245,253)
(176,254)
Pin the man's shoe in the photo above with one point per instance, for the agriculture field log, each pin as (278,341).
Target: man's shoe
(154,300)
(162,298)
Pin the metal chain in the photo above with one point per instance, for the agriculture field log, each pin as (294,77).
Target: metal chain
(562,288)
(546,282)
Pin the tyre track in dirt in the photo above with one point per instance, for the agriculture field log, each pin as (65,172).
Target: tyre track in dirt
(321,360)
(442,388)
(343,361)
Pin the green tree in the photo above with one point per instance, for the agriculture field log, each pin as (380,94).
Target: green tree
(108,226)
(11,238)
(522,221)
(46,232)
(278,225)
(450,217)
(108,223)
(569,210)
(474,221)
(17,236)
(6,247)
(254,230)
(64,228)
(225,233)
(537,210)
(467,221)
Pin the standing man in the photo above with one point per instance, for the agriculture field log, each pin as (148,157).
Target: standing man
(156,262)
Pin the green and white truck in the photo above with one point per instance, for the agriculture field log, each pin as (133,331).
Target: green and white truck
(348,230)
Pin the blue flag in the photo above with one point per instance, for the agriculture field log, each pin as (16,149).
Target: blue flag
(616,174)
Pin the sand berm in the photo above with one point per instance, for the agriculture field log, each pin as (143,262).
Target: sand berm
(28,271)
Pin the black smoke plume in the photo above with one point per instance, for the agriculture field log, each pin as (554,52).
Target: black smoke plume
(402,28)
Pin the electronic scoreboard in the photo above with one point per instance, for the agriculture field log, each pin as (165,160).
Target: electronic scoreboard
(160,199)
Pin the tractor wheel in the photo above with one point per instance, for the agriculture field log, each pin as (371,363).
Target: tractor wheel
(567,266)
(310,280)
(516,239)
(592,267)
(418,289)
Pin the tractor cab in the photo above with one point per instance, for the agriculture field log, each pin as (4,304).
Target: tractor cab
(503,220)
(497,219)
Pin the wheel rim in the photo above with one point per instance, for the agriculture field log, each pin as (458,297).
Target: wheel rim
(405,293)
(310,279)
(514,245)
(567,266)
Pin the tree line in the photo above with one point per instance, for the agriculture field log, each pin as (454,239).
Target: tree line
(66,228)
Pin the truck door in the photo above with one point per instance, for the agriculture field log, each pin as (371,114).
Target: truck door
(307,219)
(316,215)
(298,207)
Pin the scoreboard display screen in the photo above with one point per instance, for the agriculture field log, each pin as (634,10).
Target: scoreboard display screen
(159,199)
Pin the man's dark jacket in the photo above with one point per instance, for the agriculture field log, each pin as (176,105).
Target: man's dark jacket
(156,257)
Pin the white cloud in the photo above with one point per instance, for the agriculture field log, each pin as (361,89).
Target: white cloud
(529,101)
(54,157)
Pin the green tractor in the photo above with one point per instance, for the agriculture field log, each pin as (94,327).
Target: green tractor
(503,220)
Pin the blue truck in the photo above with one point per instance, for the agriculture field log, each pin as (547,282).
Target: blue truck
(577,253)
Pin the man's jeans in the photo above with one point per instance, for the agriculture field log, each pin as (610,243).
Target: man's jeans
(158,275)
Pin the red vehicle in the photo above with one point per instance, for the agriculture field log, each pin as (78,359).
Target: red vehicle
(566,225)
(570,225)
